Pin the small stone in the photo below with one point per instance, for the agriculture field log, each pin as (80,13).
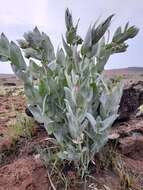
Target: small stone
(113,136)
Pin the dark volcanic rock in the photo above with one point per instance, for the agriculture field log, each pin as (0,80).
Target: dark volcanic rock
(132,98)
(9,84)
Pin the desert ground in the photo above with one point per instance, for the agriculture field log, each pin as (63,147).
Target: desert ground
(119,166)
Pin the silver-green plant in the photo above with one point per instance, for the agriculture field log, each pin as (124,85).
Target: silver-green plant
(67,91)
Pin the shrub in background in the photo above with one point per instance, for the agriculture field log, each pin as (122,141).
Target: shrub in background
(70,94)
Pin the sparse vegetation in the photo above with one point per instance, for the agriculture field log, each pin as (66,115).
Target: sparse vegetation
(21,126)
(11,91)
(2,91)
(127,178)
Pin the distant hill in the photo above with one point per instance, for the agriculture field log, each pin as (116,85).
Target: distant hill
(138,69)
(128,70)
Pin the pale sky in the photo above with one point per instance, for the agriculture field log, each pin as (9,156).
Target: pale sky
(19,16)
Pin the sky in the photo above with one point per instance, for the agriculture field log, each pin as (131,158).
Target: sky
(17,17)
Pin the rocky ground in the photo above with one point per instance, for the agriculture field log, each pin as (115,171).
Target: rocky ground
(118,167)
